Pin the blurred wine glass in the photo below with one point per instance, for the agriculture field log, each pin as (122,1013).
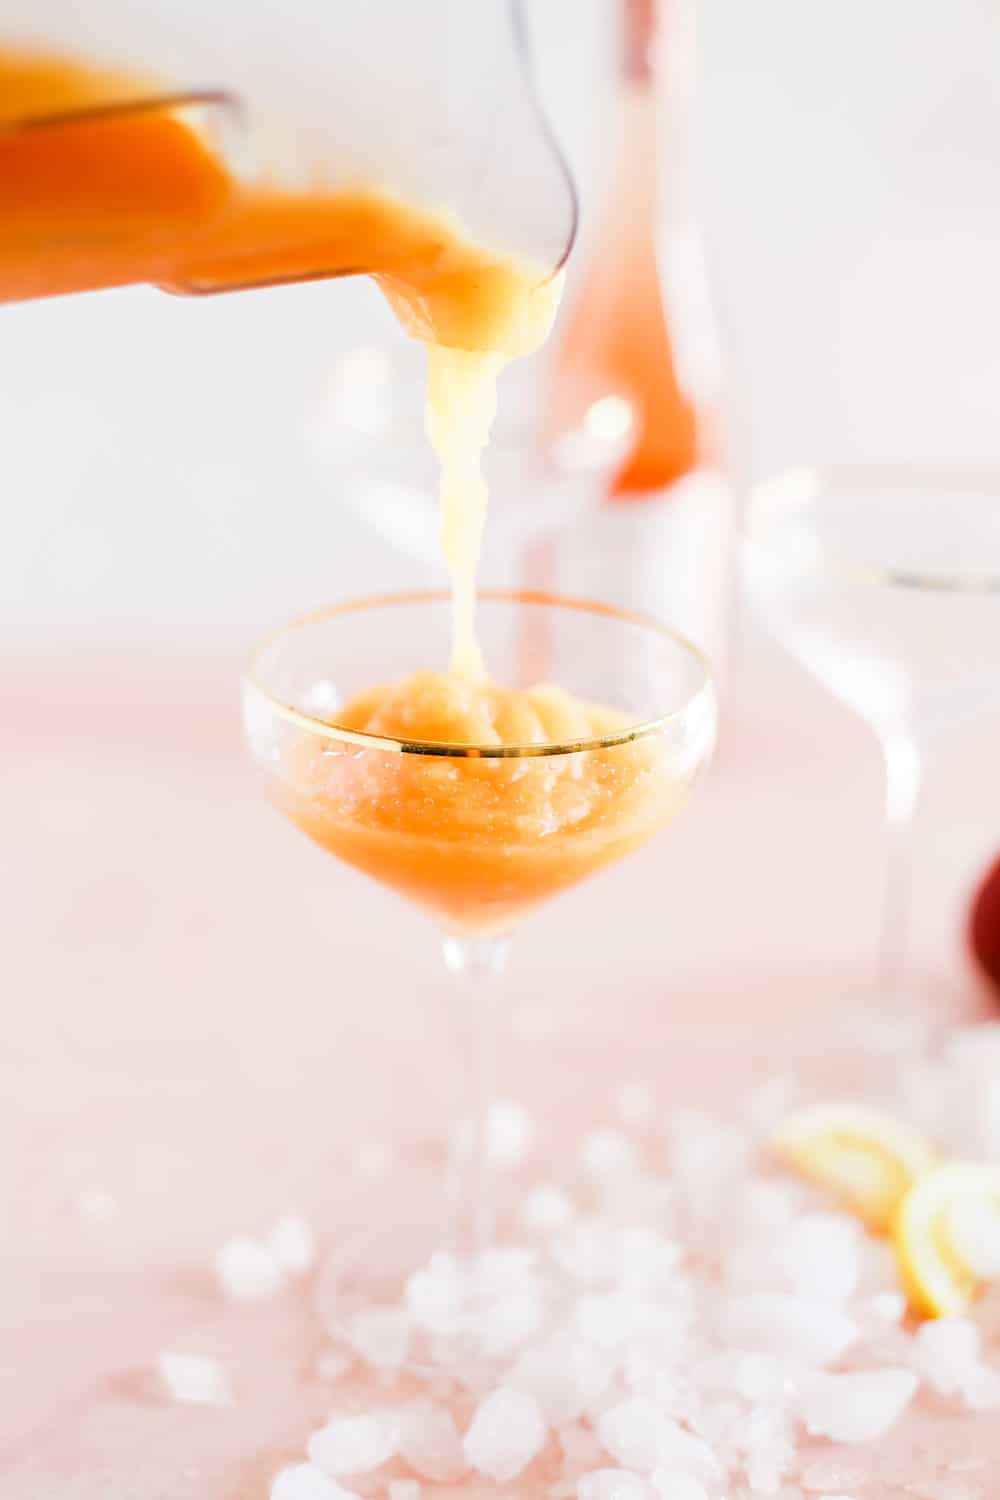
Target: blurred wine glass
(366,438)
(885,584)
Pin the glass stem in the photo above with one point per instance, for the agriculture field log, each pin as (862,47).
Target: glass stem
(476,964)
(904,766)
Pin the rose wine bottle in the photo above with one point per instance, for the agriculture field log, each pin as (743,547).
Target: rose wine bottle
(640,327)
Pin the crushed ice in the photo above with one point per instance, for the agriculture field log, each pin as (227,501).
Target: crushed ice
(251,1270)
(685,1321)
(195,1379)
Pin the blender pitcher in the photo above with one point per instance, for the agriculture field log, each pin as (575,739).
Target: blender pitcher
(140,142)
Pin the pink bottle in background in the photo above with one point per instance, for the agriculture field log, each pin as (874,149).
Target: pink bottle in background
(640,325)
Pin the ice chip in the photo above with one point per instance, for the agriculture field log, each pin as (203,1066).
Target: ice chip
(355,1444)
(305,1482)
(716,1421)
(195,1379)
(982,1390)
(705,1152)
(292,1244)
(496,1272)
(566,1376)
(798,1328)
(680,1449)
(609,1153)
(947,1353)
(584,1252)
(611,1484)
(404,1489)
(764,1439)
(433,1295)
(506,1432)
(611,1320)
(765,1471)
(973,1227)
(888,1307)
(381,1335)
(856,1407)
(430,1442)
(772,1205)
(547,1207)
(541,1372)
(509,1132)
(820,1256)
(248,1271)
(678,1484)
(644,1257)
(630,1433)
(638,1434)
(761,1377)
(597,1251)
(509,1322)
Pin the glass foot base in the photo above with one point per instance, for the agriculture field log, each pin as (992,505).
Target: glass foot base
(394,1297)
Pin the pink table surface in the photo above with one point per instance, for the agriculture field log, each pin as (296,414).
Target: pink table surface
(208,1022)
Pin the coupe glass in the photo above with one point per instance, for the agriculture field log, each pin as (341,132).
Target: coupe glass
(489,854)
(885,584)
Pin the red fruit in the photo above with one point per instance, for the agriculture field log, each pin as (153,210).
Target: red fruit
(984,925)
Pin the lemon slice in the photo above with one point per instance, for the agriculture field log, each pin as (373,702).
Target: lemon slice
(867,1159)
(938,1277)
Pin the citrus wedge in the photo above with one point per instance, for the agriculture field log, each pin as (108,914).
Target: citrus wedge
(868,1160)
(938,1278)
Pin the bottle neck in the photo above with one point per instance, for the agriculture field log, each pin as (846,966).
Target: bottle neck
(639,20)
(649,141)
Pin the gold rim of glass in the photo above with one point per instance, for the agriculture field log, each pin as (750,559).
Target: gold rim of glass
(324,729)
(800,486)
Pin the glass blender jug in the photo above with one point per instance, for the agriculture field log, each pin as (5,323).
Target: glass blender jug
(140,143)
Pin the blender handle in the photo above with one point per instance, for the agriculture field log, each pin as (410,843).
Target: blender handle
(99,113)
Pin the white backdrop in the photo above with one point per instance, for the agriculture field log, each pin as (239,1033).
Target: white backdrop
(156,478)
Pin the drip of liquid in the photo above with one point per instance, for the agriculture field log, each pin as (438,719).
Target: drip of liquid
(461,406)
